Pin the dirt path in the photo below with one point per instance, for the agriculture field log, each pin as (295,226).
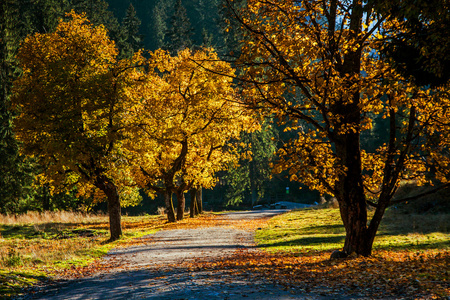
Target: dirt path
(157,269)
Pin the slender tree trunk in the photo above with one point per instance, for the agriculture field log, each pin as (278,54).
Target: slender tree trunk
(181,204)
(193,206)
(46,198)
(114,209)
(199,199)
(169,206)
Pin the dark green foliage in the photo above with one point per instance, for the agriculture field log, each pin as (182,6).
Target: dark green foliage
(42,15)
(251,179)
(98,13)
(132,40)
(157,15)
(179,32)
(160,15)
(421,51)
(230,30)
(16,173)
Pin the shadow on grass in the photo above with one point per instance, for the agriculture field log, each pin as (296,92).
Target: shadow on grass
(413,246)
(307,241)
(12,283)
(336,228)
(47,231)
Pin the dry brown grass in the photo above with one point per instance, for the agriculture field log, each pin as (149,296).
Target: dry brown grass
(36,240)
(32,217)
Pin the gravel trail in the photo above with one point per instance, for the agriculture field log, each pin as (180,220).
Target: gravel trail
(155,270)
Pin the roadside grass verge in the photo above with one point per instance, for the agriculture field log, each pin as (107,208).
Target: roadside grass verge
(410,258)
(35,247)
(321,229)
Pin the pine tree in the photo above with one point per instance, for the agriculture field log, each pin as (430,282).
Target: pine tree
(98,13)
(160,15)
(179,34)
(42,15)
(132,40)
(16,174)
(231,33)
(251,177)
(207,11)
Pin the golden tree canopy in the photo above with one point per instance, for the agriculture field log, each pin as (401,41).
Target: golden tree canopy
(69,104)
(185,111)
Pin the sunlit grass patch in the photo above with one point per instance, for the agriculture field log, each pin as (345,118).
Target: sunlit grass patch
(49,243)
(60,217)
(12,281)
(322,229)
(303,230)
(410,257)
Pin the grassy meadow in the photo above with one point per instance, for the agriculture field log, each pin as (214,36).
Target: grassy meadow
(35,246)
(322,230)
(410,257)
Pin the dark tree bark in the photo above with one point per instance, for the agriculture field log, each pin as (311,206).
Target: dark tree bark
(169,206)
(114,210)
(193,208)
(46,198)
(181,203)
(199,199)
(349,187)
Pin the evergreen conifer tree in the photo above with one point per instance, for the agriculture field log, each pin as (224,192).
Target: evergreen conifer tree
(16,174)
(250,179)
(180,32)
(132,40)
(160,15)
(98,13)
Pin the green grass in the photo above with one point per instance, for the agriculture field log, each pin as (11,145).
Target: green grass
(12,282)
(302,230)
(322,230)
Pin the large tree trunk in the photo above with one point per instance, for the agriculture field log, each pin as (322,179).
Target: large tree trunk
(169,206)
(351,197)
(349,187)
(114,209)
(181,203)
